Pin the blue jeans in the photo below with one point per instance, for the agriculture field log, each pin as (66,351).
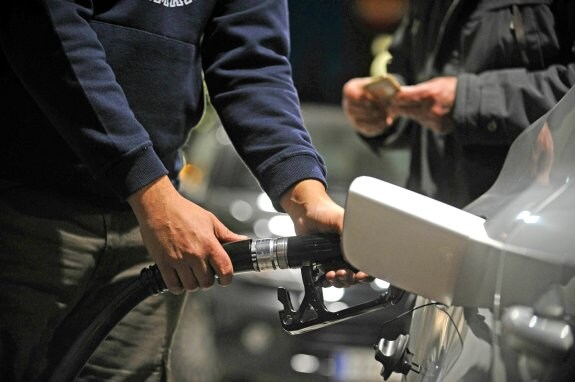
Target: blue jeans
(56,251)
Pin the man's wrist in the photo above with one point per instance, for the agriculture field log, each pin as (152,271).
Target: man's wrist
(150,195)
(295,199)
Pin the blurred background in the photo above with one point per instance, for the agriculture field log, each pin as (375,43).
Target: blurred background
(233,334)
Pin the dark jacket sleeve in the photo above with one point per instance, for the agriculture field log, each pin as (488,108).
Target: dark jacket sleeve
(495,106)
(245,57)
(59,60)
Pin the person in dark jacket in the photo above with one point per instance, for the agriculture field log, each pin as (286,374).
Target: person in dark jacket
(99,97)
(474,75)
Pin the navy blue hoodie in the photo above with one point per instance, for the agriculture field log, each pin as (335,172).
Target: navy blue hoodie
(101,94)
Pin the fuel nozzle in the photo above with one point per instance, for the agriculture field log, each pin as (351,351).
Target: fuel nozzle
(284,252)
(312,254)
(259,255)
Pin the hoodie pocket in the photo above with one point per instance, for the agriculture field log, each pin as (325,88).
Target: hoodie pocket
(161,78)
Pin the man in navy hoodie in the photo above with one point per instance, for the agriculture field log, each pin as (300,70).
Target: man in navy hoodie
(99,98)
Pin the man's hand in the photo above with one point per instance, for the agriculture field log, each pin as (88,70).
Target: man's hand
(369,115)
(182,238)
(429,103)
(312,210)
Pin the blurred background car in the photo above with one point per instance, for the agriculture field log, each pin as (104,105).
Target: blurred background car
(247,342)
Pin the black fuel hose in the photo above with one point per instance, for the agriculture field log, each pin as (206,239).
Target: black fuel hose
(87,331)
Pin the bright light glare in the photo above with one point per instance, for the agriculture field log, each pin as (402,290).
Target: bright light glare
(304,363)
(333,294)
(264,203)
(336,306)
(241,210)
(565,331)
(527,217)
(379,284)
(261,228)
(257,338)
(281,225)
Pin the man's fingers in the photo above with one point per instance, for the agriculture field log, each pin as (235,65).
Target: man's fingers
(224,234)
(354,88)
(341,278)
(219,260)
(221,264)
(202,273)
(189,279)
(171,279)
(362,277)
(409,95)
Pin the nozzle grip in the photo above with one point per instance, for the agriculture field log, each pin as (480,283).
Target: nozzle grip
(314,248)
(240,255)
